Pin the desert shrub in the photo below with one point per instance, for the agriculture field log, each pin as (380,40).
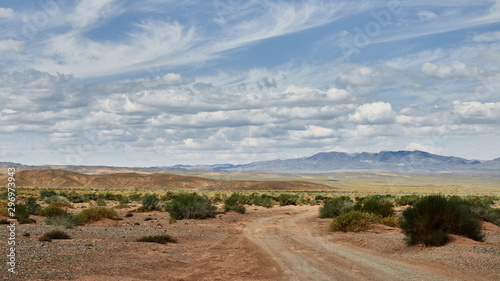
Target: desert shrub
(21,212)
(351,221)
(124,200)
(55,198)
(376,205)
(74,197)
(264,201)
(32,206)
(151,203)
(493,216)
(4,195)
(121,206)
(112,197)
(101,202)
(407,200)
(287,199)
(391,221)
(190,206)
(160,239)
(135,197)
(90,196)
(66,220)
(335,207)
(434,217)
(26,221)
(235,203)
(168,196)
(44,194)
(53,210)
(475,201)
(93,214)
(56,234)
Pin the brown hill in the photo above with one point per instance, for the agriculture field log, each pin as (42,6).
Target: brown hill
(67,179)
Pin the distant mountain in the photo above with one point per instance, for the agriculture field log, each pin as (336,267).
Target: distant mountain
(393,161)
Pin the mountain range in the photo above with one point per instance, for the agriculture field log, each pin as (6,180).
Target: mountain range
(325,162)
(390,161)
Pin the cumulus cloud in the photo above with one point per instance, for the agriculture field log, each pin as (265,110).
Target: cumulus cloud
(373,113)
(313,131)
(477,112)
(11,45)
(6,13)
(443,71)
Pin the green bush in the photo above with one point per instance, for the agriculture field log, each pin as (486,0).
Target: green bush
(44,194)
(21,212)
(90,196)
(160,239)
(32,206)
(408,200)
(101,202)
(190,206)
(288,199)
(434,217)
(151,203)
(335,207)
(66,220)
(124,200)
(376,205)
(55,198)
(351,221)
(135,197)
(56,234)
(235,203)
(93,214)
(264,201)
(53,210)
(74,197)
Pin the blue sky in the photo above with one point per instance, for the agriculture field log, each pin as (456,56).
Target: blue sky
(147,83)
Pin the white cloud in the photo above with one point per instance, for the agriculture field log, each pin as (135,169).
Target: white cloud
(424,147)
(373,113)
(11,45)
(490,36)
(6,13)
(477,112)
(313,131)
(89,12)
(454,70)
(426,15)
(359,76)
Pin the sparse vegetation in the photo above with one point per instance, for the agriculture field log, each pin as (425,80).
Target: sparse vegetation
(93,214)
(190,206)
(101,203)
(353,221)
(160,239)
(66,220)
(335,207)
(56,234)
(379,205)
(53,210)
(288,199)
(434,217)
(32,206)
(21,212)
(235,203)
(151,203)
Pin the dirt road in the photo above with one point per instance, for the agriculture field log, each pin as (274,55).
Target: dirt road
(305,252)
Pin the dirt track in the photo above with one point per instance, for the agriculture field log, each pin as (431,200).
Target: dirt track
(281,243)
(305,254)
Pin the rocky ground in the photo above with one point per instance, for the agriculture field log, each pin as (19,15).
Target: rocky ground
(281,243)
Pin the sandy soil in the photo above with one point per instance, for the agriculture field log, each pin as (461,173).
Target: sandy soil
(282,243)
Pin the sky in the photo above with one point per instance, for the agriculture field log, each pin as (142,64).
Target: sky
(158,83)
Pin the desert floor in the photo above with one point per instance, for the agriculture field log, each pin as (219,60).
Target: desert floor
(281,243)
